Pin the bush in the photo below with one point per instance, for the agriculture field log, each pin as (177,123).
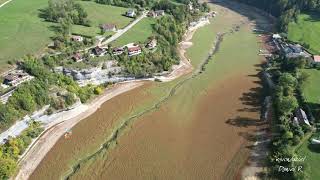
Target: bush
(98,90)
(296,140)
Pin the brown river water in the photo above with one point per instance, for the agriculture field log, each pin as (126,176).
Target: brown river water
(198,133)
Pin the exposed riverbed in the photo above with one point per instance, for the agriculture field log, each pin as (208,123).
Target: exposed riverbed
(191,128)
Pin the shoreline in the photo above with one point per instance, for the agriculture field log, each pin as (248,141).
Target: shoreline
(40,146)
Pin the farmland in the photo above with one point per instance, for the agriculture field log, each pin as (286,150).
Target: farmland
(306,31)
(218,104)
(24,32)
(138,33)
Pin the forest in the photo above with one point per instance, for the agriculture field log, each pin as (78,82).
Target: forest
(285,10)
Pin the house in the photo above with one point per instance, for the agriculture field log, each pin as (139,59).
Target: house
(98,51)
(276,36)
(159,12)
(108,27)
(117,51)
(294,51)
(134,50)
(77,38)
(131,13)
(316,58)
(190,6)
(77,57)
(152,14)
(16,77)
(302,117)
(152,44)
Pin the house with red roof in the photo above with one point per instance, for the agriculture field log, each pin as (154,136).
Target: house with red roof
(316,58)
(132,51)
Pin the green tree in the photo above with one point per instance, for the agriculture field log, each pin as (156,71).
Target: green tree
(7,167)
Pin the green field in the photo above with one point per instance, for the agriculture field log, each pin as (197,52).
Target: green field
(23,32)
(306,31)
(138,33)
(312,95)
(101,14)
(312,88)
(312,154)
(312,91)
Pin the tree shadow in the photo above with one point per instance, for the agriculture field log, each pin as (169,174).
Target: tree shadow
(243,122)
(314,148)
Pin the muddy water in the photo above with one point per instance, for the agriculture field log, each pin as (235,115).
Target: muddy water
(196,134)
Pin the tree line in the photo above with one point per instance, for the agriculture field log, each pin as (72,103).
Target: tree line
(58,10)
(288,96)
(285,10)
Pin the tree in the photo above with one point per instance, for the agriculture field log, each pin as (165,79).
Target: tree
(288,104)
(7,167)
(98,90)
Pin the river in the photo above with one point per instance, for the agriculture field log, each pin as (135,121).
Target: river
(197,127)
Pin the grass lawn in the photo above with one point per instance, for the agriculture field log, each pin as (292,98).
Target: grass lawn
(312,91)
(101,14)
(23,32)
(138,33)
(306,31)
(312,154)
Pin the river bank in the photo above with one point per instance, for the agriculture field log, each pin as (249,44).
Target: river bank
(217,110)
(41,146)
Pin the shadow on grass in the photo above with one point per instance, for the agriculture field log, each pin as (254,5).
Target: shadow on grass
(314,148)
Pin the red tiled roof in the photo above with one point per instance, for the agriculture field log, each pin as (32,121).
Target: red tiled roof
(137,48)
(316,58)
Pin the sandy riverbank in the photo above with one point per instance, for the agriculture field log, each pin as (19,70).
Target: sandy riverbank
(46,141)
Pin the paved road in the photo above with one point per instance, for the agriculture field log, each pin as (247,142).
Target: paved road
(120,32)
(5,3)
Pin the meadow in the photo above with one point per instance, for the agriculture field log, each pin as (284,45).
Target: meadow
(306,31)
(312,95)
(101,14)
(24,32)
(138,33)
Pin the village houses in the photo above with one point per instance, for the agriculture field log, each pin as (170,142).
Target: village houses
(108,27)
(77,38)
(316,59)
(131,13)
(301,117)
(152,44)
(16,77)
(77,57)
(155,14)
(117,51)
(135,50)
(98,51)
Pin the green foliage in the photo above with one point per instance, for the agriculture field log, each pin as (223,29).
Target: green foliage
(98,90)
(10,151)
(65,9)
(7,167)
